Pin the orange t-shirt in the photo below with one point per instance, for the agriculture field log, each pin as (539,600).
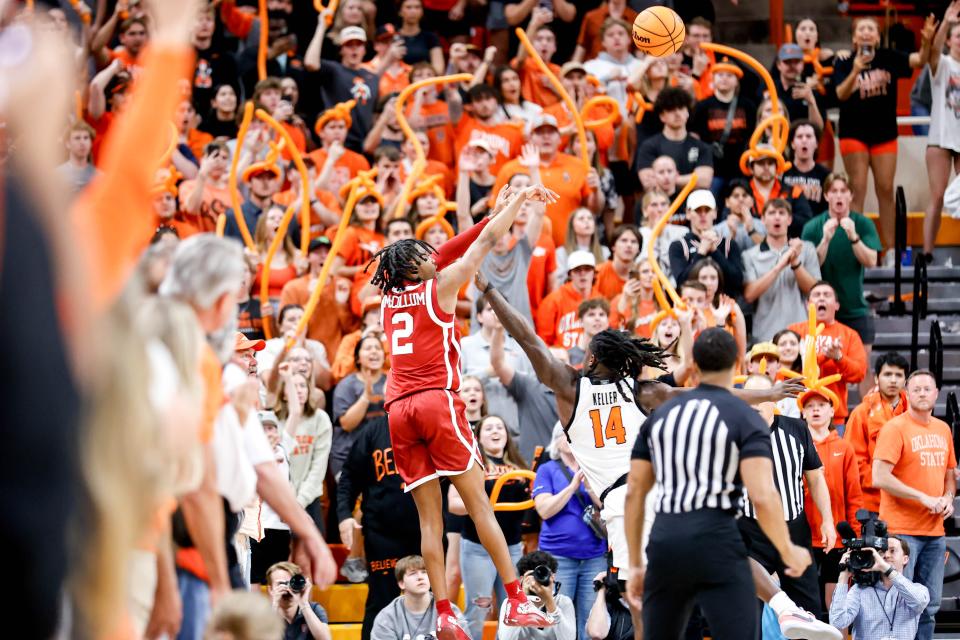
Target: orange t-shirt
(852,366)
(299,141)
(197,140)
(557,321)
(566,176)
(532,80)
(605,134)
(184,228)
(863,427)
(439,131)
(329,322)
(434,168)
(505,138)
(347,167)
(359,244)
(215,200)
(608,282)
(646,311)
(921,456)
(278,278)
(593,20)
(840,471)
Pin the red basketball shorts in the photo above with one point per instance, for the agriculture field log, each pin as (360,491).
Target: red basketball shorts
(431,437)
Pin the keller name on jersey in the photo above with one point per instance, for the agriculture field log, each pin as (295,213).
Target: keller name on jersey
(404,300)
(606,397)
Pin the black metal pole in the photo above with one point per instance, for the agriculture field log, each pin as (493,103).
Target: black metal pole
(897,307)
(918,263)
(936,352)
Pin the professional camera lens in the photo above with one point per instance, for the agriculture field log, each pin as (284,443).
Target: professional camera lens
(542,574)
(298,583)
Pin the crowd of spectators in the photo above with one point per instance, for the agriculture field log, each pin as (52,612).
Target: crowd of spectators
(751,247)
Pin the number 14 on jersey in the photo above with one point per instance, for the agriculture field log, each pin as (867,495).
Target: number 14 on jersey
(612,429)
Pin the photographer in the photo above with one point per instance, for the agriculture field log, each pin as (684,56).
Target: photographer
(289,592)
(538,572)
(610,617)
(892,610)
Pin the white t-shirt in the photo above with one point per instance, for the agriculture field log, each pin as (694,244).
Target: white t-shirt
(945,107)
(605,68)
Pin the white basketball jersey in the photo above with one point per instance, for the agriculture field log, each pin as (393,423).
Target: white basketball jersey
(603,429)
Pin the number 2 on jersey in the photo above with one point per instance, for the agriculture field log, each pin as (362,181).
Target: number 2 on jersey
(612,430)
(402,329)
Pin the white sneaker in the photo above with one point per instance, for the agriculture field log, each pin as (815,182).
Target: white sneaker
(889,257)
(355,570)
(798,623)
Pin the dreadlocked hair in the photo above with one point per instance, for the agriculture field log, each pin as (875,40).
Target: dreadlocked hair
(398,263)
(625,355)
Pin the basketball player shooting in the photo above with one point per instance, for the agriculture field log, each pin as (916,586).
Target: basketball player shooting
(602,410)
(429,430)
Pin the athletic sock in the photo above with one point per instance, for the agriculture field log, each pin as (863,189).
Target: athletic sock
(781,603)
(443,606)
(515,591)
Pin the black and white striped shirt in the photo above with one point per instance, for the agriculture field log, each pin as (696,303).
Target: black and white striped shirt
(793,453)
(695,443)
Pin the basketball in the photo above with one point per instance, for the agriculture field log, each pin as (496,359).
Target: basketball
(658,31)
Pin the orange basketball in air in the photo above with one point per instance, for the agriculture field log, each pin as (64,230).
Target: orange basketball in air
(658,31)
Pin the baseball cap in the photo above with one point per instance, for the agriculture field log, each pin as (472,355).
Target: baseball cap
(474,49)
(763,349)
(544,120)
(790,51)
(571,66)
(352,33)
(580,259)
(701,198)
(482,143)
(242,343)
(268,416)
(386,32)
(762,152)
(319,241)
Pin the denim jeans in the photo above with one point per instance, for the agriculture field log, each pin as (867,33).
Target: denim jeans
(926,567)
(576,582)
(479,581)
(195,595)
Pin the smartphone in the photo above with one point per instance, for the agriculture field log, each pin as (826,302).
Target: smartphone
(546,4)
(868,51)
(634,274)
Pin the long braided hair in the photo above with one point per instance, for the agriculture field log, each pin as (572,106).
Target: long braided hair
(398,263)
(625,355)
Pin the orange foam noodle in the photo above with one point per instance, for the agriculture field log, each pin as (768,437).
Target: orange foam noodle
(305,187)
(262,49)
(562,92)
(311,306)
(610,118)
(655,235)
(517,474)
(318,5)
(420,158)
(232,182)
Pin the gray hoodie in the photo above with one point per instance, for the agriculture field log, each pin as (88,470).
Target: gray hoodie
(394,622)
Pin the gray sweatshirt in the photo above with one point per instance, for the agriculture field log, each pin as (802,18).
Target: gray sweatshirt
(564,629)
(394,622)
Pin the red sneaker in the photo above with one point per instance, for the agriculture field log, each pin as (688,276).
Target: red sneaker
(523,613)
(448,628)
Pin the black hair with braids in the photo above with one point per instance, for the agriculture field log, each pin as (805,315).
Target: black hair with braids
(398,263)
(625,355)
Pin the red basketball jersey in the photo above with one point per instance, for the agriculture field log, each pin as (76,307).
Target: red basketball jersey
(424,342)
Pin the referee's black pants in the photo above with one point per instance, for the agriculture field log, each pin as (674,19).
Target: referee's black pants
(698,558)
(805,589)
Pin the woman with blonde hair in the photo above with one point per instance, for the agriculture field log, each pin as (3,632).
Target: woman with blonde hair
(582,235)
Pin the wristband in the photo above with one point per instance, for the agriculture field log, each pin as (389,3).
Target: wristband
(888,572)
(796,266)
(853,242)
(488,288)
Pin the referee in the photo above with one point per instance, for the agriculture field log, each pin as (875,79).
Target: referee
(701,448)
(795,459)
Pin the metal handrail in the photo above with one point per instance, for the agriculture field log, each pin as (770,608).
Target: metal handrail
(953,417)
(897,307)
(936,352)
(919,305)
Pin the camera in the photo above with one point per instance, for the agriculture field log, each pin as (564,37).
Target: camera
(542,574)
(298,583)
(873,536)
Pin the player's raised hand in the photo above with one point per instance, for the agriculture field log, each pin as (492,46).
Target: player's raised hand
(540,193)
(481,281)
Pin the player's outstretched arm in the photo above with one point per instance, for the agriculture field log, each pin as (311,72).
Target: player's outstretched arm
(460,272)
(559,377)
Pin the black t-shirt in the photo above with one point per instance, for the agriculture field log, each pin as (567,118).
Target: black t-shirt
(709,121)
(297,630)
(512,491)
(339,84)
(796,109)
(870,114)
(249,320)
(218,128)
(689,153)
(214,67)
(418,46)
(811,182)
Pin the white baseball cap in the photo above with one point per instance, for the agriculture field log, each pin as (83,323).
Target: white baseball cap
(580,259)
(701,198)
(352,33)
